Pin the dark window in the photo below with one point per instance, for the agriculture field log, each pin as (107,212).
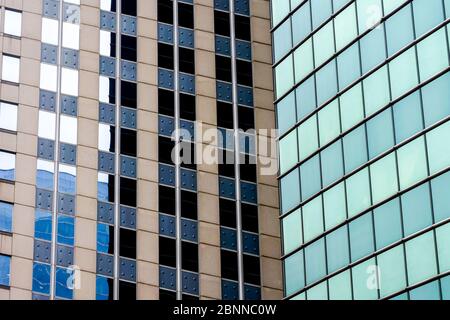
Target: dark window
(110,284)
(229,265)
(187,60)
(128,142)
(242,27)
(222,23)
(187,107)
(165,11)
(189,297)
(166,102)
(249,217)
(188,155)
(251,269)
(165,56)
(166,200)
(127,243)
(112,44)
(167,252)
(189,258)
(244,73)
(165,149)
(224,115)
(112,91)
(110,188)
(113,6)
(128,192)
(246,118)
(127,291)
(248,170)
(129,48)
(223,68)
(110,238)
(186,15)
(112,139)
(129,94)
(129,7)
(227,211)
(189,205)
(166,295)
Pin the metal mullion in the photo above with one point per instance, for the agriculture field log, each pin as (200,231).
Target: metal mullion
(116,293)
(237,153)
(56,155)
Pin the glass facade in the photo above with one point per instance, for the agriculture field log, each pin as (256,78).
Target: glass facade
(363,108)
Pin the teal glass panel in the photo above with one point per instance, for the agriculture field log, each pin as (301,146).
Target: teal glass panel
(318,292)
(443,247)
(376,91)
(391,5)
(403,73)
(280,9)
(365,280)
(294,273)
(312,219)
(361,237)
(421,258)
(436,99)
(383,178)
(288,151)
(358,192)
(282,42)
(301,19)
(355,149)
(306,98)
(286,115)
(334,206)
(340,286)
(412,163)
(373,49)
(292,231)
(407,117)
(388,223)
(308,140)
(427,15)
(303,60)
(441,200)
(345,27)
(315,261)
(445,285)
(284,76)
(332,163)
(433,54)
(348,66)
(416,209)
(290,191)
(352,107)
(399,30)
(400,297)
(439,148)
(430,291)
(310,177)
(329,125)
(326,82)
(380,134)
(321,10)
(338,254)
(392,271)
(370,13)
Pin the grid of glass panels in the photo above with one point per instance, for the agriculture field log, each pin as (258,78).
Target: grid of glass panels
(363,158)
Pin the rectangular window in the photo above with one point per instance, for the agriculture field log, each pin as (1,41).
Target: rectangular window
(6,210)
(11,68)
(7,166)
(5,266)
(13,23)
(8,116)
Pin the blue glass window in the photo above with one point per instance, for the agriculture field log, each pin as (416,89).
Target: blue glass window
(7,166)
(388,223)
(103,289)
(43,225)
(416,208)
(361,237)
(67,180)
(5,270)
(6,210)
(41,278)
(66,230)
(104,238)
(64,285)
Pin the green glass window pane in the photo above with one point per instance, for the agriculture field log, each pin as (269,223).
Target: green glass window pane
(307,137)
(332,163)
(380,133)
(338,254)
(400,297)
(302,22)
(340,286)
(310,177)
(288,151)
(280,9)
(441,200)
(301,296)
(403,73)
(323,44)
(306,98)
(315,261)
(392,271)
(376,89)
(352,108)
(326,82)
(292,231)
(282,42)
(329,126)
(439,148)
(416,209)
(429,291)
(358,192)
(433,54)
(399,30)
(334,206)
(345,27)
(373,49)
(445,285)
(361,237)
(355,149)
(383,174)
(284,76)
(427,15)
(303,60)
(365,280)
(443,246)
(407,117)
(286,116)
(421,258)
(412,163)
(338,4)
(447,8)
(391,5)
(313,219)
(388,223)
(294,273)
(295,3)
(436,99)
(321,10)
(348,66)
(370,13)
(318,292)
(290,191)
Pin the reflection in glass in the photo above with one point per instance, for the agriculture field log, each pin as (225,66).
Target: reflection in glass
(69,81)
(105,238)
(48,78)
(5,270)
(47,123)
(8,116)
(107,43)
(106,137)
(6,211)
(68,130)
(67,179)
(7,166)
(49,31)
(43,225)
(107,90)
(44,177)
(13,23)
(105,187)
(62,281)
(71,36)
(10,69)
(66,230)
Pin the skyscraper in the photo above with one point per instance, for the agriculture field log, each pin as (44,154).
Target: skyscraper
(106,191)
(363,103)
